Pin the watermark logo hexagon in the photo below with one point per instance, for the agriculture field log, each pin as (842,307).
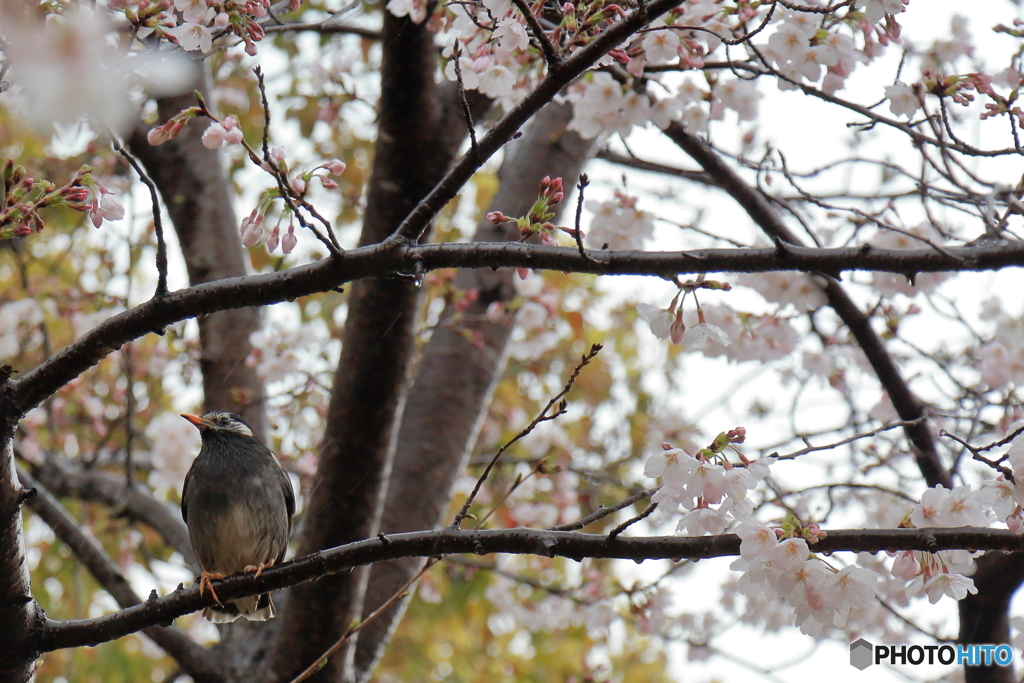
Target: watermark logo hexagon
(861,654)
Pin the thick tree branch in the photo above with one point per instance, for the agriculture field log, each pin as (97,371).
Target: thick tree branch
(20,615)
(414,146)
(404,259)
(67,480)
(520,541)
(194,660)
(458,369)
(501,132)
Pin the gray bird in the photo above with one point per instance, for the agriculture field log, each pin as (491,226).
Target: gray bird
(238,504)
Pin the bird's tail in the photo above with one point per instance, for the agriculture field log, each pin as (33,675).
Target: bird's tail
(255,608)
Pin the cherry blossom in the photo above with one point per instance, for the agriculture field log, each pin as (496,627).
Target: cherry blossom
(903,101)
(192,36)
(511,34)
(619,224)
(661,46)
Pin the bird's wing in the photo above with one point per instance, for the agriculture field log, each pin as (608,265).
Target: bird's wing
(285,482)
(184,493)
(289,494)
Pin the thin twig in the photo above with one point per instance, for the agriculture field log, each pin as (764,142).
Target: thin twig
(466,111)
(158,225)
(976,454)
(549,50)
(613,534)
(541,417)
(330,241)
(581,186)
(605,511)
(856,437)
(352,630)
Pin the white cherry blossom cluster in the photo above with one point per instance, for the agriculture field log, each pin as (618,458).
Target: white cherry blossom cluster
(821,595)
(619,224)
(493,62)
(696,483)
(1002,358)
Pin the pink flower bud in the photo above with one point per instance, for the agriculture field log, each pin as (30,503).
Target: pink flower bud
(298,184)
(523,273)
(250,49)
(253,235)
(158,136)
(329,183)
(568,9)
(273,239)
(678,328)
(222,20)
(289,241)
(277,154)
(497,217)
(556,197)
(335,166)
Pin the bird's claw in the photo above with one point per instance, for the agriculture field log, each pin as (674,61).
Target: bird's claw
(206,580)
(258,568)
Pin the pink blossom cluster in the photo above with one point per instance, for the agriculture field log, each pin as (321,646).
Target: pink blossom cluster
(618,224)
(822,596)
(25,197)
(1002,357)
(707,479)
(200,21)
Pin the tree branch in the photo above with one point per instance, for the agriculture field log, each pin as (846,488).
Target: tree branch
(383,260)
(502,131)
(66,480)
(458,369)
(520,541)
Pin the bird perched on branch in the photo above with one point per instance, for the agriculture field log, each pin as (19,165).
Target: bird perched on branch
(238,504)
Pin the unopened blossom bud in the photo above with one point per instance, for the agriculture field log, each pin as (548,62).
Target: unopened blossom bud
(158,136)
(523,273)
(22,230)
(222,20)
(277,154)
(335,166)
(298,183)
(247,221)
(556,197)
(250,49)
(329,183)
(253,234)
(678,328)
(273,239)
(666,446)
(545,183)
(568,8)
(289,241)
(497,217)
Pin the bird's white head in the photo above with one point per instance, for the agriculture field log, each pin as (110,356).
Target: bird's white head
(219,421)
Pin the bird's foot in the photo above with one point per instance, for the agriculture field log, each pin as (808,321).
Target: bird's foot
(206,580)
(258,568)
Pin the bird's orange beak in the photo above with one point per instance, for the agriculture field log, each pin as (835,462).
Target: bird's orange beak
(198,421)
